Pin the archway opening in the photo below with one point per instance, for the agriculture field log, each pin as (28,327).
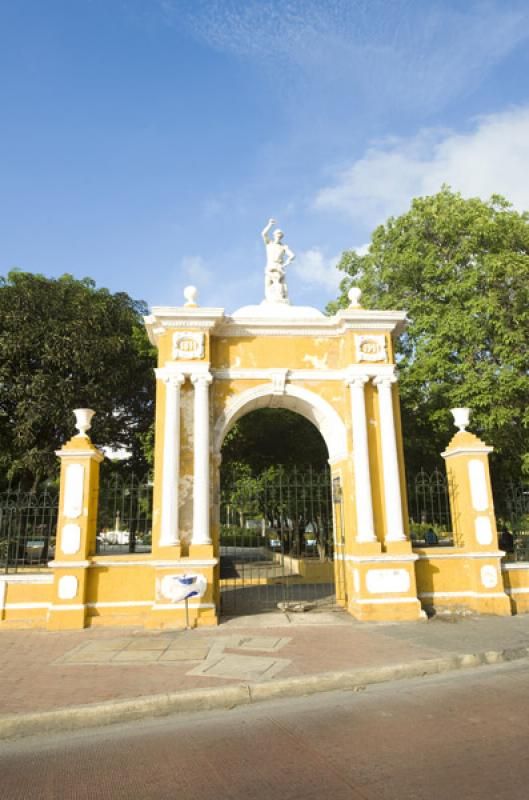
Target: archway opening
(277,519)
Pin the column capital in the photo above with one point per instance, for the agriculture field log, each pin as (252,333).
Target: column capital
(385,380)
(169,377)
(201,378)
(356,381)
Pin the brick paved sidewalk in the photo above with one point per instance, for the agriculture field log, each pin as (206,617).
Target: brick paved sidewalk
(42,671)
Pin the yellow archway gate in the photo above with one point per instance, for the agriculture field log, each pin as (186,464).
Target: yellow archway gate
(338,372)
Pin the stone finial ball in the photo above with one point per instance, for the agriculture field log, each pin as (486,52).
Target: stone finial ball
(191,294)
(354,294)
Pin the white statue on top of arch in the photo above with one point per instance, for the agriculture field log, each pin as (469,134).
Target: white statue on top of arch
(278,256)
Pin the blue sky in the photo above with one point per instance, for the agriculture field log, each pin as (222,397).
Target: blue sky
(145,143)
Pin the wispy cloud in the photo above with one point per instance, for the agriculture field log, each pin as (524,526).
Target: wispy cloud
(313,268)
(406,51)
(491,158)
(195,269)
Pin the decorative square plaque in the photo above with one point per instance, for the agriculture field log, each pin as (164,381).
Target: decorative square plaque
(188,345)
(371,347)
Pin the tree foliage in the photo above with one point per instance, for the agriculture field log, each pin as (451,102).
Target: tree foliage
(268,438)
(460,268)
(65,344)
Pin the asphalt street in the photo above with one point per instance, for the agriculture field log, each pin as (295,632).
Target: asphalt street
(459,735)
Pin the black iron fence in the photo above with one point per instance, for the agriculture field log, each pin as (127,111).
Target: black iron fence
(429,509)
(511,503)
(276,541)
(124,523)
(28,522)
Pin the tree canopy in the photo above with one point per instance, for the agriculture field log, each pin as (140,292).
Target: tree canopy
(460,268)
(270,437)
(65,344)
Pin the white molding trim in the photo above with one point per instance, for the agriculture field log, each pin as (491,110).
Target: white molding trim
(120,604)
(485,554)
(14,606)
(68,564)
(45,578)
(172,606)
(384,558)
(346,374)
(467,451)
(184,563)
(461,594)
(73,607)
(508,567)
(164,318)
(296,398)
(517,590)
(97,456)
(187,369)
(385,600)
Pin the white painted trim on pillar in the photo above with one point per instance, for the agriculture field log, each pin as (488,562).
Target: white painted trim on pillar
(365,525)
(73,607)
(169,534)
(518,565)
(467,451)
(14,606)
(390,461)
(201,492)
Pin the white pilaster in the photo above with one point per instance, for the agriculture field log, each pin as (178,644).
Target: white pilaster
(201,502)
(390,461)
(363,499)
(171,460)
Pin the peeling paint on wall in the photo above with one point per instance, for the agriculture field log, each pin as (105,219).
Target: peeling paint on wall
(314,361)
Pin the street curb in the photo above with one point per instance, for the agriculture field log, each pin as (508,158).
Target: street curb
(118,711)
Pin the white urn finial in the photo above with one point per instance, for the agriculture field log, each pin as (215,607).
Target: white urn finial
(83,420)
(354,294)
(191,294)
(461,417)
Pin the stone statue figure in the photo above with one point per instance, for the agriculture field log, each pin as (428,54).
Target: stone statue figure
(278,256)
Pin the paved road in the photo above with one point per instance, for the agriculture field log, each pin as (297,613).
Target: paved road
(455,737)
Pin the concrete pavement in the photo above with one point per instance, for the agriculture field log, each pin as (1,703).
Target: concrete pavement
(65,680)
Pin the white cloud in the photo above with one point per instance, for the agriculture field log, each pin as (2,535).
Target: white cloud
(404,52)
(196,270)
(313,268)
(492,158)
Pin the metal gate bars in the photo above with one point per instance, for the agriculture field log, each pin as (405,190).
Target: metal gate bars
(276,541)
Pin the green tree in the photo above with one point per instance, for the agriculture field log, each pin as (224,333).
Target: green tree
(460,268)
(65,344)
(270,437)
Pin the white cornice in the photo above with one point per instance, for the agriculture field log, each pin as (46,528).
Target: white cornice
(97,455)
(164,318)
(186,369)
(301,375)
(467,451)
